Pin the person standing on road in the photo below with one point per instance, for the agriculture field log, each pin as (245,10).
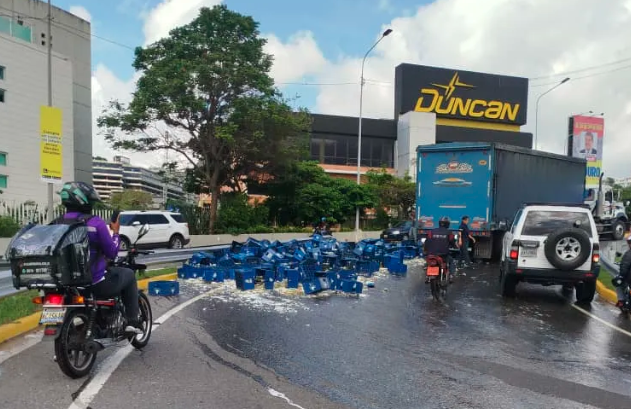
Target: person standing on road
(465,237)
(625,275)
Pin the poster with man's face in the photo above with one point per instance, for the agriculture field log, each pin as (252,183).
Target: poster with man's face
(588,132)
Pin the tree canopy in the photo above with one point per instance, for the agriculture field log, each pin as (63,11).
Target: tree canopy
(206,93)
(131,200)
(393,191)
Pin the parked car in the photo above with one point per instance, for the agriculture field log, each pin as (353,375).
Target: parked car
(166,229)
(552,245)
(401,231)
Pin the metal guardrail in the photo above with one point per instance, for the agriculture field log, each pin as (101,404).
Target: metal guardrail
(612,268)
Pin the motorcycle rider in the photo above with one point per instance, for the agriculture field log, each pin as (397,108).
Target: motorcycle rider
(79,199)
(438,243)
(624,277)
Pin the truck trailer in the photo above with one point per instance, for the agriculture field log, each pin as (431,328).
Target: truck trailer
(489,182)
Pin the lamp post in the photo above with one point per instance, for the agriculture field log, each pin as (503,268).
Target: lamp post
(537,107)
(359,131)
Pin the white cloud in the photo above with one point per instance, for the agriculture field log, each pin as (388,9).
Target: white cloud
(516,37)
(81,12)
(297,58)
(170,14)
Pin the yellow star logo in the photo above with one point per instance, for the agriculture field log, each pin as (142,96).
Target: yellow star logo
(455,82)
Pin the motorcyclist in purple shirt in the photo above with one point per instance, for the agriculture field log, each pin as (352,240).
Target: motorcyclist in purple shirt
(79,198)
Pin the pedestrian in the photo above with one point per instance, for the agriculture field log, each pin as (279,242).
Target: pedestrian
(465,238)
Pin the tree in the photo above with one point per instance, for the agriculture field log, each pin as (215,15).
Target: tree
(131,200)
(610,181)
(208,82)
(305,193)
(393,191)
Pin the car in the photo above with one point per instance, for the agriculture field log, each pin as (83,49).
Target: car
(166,229)
(552,244)
(400,232)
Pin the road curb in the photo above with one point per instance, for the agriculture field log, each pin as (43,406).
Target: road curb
(29,323)
(605,293)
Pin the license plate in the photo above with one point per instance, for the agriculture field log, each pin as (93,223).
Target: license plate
(52,316)
(528,252)
(433,271)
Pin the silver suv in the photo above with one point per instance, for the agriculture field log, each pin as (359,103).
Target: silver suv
(552,244)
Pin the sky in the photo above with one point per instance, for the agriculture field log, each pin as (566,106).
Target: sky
(318,47)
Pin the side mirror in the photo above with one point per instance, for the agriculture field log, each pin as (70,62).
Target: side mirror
(143,231)
(503,225)
(136,223)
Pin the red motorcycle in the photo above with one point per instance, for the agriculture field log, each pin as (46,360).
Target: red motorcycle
(437,274)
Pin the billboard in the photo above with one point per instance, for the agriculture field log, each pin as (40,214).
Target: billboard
(586,142)
(51,147)
(463,95)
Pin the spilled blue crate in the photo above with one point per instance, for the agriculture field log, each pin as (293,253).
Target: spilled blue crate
(398,268)
(214,274)
(163,288)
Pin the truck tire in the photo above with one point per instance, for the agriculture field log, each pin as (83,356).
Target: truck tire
(585,292)
(617,229)
(508,285)
(568,249)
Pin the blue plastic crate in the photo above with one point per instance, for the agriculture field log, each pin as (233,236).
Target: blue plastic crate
(163,288)
(293,277)
(244,280)
(312,286)
(270,279)
(352,286)
(398,268)
(216,275)
(187,272)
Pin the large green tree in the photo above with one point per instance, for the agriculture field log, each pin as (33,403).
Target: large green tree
(131,200)
(208,83)
(393,191)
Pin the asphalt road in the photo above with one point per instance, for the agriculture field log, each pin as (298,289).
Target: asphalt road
(394,347)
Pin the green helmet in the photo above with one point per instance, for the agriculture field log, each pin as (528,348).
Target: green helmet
(78,195)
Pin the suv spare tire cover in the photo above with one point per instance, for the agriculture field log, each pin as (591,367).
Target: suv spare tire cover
(580,236)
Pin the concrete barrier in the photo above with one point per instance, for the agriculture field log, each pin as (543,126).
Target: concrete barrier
(218,239)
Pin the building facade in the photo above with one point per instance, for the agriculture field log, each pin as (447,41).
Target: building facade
(24,88)
(120,174)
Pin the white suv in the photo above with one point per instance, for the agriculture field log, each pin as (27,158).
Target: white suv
(166,229)
(552,244)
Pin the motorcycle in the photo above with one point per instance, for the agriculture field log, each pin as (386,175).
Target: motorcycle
(620,282)
(82,325)
(437,273)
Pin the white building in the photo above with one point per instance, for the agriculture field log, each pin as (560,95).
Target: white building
(24,88)
(624,182)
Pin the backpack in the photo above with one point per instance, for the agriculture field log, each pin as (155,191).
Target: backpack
(57,254)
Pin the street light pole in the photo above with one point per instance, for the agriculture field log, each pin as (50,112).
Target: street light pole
(537,107)
(359,131)
(49,47)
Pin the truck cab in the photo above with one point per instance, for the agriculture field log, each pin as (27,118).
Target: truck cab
(611,218)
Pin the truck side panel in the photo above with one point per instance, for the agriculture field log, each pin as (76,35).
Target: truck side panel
(531,177)
(453,183)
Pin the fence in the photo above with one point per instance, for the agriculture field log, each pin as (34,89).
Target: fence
(24,213)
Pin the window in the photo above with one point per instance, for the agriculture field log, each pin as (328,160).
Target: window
(126,219)
(542,223)
(3,159)
(158,219)
(2,72)
(1,95)
(178,217)
(3,181)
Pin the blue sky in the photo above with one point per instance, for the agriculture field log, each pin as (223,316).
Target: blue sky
(341,28)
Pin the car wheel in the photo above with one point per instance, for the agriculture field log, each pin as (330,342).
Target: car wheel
(508,284)
(568,249)
(125,244)
(176,242)
(585,292)
(618,229)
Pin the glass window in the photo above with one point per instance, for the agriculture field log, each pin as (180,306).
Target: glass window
(158,219)
(2,95)
(5,25)
(178,217)
(126,219)
(542,223)
(3,159)
(2,72)
(3,181)
(22,32)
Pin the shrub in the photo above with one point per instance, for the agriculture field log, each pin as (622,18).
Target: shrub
(8,226)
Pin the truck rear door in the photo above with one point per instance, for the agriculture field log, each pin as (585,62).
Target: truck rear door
(454,183)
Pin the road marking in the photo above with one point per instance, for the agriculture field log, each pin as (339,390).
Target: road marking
(110,364)
(277,394)
(28,341)
(610,325)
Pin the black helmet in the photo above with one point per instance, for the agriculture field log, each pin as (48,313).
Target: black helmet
(444,222)
(78,196)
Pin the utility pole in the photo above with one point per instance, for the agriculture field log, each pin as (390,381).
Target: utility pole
(50,98)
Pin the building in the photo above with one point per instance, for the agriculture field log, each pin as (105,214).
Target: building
(120,174)
(24,88)
(432,105)
(623,182)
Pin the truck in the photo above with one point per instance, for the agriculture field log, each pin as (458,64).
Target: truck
(489,182)
(608,211)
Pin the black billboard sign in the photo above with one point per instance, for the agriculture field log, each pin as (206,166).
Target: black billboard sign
(458,94)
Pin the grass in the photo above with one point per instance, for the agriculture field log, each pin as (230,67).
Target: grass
(20,305)
(17,306)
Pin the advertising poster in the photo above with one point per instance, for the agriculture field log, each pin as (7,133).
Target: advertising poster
(51,159)
(587,134)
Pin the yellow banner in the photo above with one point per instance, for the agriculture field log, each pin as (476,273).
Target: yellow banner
(592,174)
(51,152)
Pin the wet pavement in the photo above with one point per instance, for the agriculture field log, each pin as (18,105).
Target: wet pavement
(393,347)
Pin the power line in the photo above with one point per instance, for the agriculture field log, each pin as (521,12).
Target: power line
(596,74)
(582,69)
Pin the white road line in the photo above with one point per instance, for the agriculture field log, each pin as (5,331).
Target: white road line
(110,364)
(28,341)
(277,394)
(610,325)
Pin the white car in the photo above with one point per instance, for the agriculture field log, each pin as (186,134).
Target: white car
(166,229)
(552,245)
